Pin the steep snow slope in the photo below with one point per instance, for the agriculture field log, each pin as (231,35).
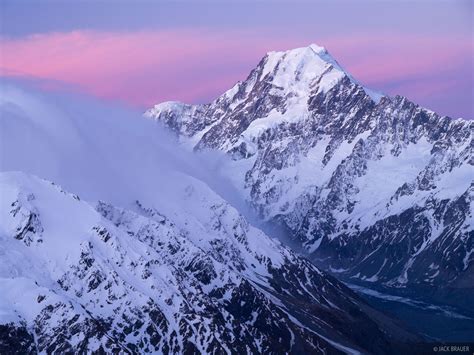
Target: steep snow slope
(145,256)
(373,187)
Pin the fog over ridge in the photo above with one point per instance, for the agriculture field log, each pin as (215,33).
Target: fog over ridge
(101,150)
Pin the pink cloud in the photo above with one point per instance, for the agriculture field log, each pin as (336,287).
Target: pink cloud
(140,67)
(146,67)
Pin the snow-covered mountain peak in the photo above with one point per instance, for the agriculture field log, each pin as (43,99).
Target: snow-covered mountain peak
(309,53)
(312,65)
(302,69)
(286,87)
(337,163)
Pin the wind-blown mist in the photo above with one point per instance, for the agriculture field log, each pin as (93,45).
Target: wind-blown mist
(101,151)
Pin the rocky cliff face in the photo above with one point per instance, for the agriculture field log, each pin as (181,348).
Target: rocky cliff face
(373,187)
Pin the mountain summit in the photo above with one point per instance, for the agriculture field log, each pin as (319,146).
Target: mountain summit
(374,188)
(301,70)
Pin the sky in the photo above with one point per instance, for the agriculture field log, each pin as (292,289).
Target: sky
(145,52)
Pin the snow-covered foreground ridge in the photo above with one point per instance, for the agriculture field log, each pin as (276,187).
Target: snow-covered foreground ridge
(374,187)
(143,256)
